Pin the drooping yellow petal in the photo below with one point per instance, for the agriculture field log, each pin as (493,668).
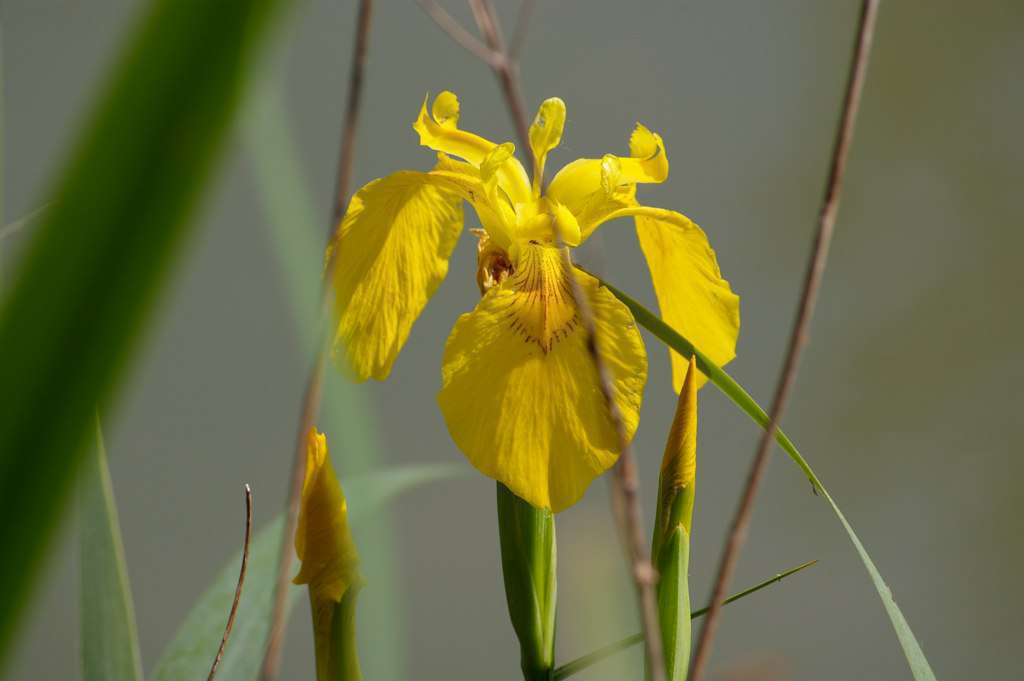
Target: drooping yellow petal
(323,540)
(392,254)
(593,188)
(545,135)
(519,390)
(693,297)
(438,130)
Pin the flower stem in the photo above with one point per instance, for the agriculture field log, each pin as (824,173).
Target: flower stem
(529,564)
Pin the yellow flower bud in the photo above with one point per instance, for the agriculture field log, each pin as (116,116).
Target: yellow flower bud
(330,565)
(679,464)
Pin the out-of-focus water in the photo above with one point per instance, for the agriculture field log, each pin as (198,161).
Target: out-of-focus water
(908,399)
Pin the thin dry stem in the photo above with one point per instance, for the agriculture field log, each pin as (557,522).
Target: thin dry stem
(515,45)
(447,23)
(314,384)
(238,587)
(799,333)
(625,487)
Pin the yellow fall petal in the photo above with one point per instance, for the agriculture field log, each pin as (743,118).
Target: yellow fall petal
(323,540)
(519,390)
(545,135)
(393,249)
(693,297)
(439,131)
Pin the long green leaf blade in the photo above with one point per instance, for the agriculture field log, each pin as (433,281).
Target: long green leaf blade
(82,293)
(109,640)
(919,666)
(187,657)
(603,653)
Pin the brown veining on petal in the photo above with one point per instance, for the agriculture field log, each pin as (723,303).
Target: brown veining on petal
(542,310)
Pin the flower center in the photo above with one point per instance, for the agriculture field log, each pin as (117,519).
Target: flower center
(493,264)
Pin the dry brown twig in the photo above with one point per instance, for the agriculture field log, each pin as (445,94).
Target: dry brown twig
(799,333)
(314,385)
(625,486)
(238,588)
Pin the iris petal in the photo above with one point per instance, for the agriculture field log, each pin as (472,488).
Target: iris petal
(393,249)
(545,135)
(593,188)
(443,134)
(519,390)
(693,297)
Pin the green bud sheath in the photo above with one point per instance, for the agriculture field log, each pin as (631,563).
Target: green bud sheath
(528,564)
(674,603)
(670,546)
(334,636)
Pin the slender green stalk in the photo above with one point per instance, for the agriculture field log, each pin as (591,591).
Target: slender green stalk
(528,564)
(337,656)
(601,654)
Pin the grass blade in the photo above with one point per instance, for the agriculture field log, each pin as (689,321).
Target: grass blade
(82,293)
(919,666)
(188,655)
(590,659)
(109,639)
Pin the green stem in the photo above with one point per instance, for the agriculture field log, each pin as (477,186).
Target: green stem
(590,659)
(528,564)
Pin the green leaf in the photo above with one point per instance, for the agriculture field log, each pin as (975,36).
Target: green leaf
(298,233)
(110,643)
(590,659)
(83,292)
(189,654)
(919,666)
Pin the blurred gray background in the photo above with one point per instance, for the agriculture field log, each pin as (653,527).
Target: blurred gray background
(909,397)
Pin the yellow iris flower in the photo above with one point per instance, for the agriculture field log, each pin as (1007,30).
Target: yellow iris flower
(519,392)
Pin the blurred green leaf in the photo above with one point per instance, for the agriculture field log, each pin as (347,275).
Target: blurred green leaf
(81,295)
(24,221)
(590,659)
(919,666)
(298,235)
(110,642)
(189,654)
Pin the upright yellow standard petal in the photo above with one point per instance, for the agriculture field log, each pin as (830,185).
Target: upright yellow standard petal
(545,135)
(594,188)
(438,130)
(323,540)
(519,390)
(693,297)
(392,254)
